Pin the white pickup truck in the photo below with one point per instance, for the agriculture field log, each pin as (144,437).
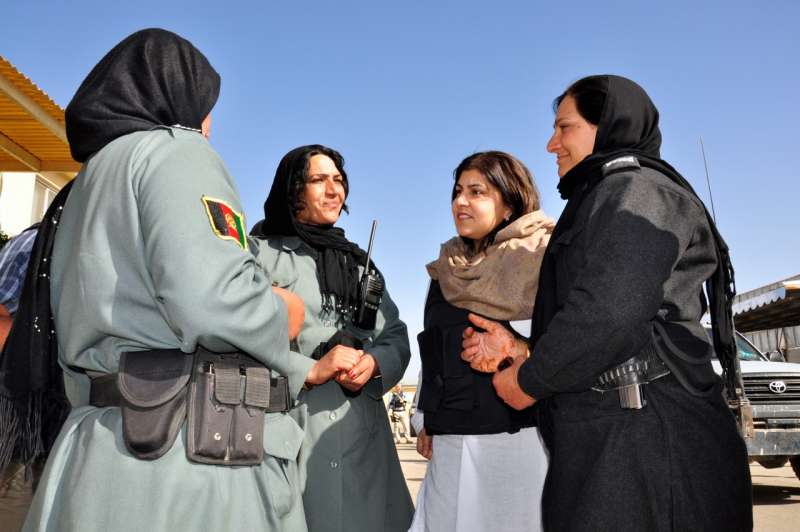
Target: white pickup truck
(773,389)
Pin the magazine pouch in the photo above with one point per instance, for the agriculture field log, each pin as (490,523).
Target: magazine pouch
(152,387)
(228,396)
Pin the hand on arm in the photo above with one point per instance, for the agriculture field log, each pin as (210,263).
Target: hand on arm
(485,350)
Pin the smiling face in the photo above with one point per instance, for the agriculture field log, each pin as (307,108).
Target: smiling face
(323,194)
(573,137)
(477,206)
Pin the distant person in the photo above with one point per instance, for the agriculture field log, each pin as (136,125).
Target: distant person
(352,476)
(17,479)
(639,433)
(398,415)
(487,461)
(150,272)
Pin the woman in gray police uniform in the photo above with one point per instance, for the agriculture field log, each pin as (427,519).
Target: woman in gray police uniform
(139,264)
(352,479)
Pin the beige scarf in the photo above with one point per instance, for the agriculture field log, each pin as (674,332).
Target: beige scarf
(501,281)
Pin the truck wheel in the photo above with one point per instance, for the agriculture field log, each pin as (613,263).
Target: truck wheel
(771,462)
(795,461)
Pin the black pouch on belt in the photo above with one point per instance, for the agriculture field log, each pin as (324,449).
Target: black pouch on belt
(228,396)
(152,387)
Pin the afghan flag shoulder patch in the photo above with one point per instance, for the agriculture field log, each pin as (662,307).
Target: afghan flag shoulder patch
(225,222)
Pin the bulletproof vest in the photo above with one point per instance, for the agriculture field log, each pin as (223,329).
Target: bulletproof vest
(455,398)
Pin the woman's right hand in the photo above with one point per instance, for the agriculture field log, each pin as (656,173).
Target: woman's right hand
(425,444)
(340,358)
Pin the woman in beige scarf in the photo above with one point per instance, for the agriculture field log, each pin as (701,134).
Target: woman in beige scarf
(487,462)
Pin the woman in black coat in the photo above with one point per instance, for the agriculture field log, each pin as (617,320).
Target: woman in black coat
(619,303)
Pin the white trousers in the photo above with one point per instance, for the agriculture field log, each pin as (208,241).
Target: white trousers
(481,483)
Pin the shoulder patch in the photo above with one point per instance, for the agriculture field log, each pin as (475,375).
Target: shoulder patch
(225,222)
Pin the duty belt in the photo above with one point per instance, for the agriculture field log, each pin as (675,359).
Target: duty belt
(629,377)
(104,392)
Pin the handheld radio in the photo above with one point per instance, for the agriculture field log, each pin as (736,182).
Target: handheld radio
(370,291)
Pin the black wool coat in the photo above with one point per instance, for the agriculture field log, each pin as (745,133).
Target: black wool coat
(638,252)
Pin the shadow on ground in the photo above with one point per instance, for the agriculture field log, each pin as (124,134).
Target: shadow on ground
(775,494)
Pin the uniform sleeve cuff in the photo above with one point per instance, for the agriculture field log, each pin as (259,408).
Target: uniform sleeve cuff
(387,368)
(300,365)
(531,383)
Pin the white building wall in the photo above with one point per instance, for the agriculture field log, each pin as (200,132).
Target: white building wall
(16,201)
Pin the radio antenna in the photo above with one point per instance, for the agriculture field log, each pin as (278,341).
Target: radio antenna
(369,248)
(708,181)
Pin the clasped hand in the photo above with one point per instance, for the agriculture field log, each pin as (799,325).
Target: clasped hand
(352,368)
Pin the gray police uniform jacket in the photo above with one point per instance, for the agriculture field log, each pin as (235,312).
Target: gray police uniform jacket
(352,481)
(137,265)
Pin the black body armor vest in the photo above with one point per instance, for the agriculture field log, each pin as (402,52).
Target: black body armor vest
(455,398)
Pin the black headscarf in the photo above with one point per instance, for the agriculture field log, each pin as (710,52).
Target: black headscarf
(629,126)
(337,258)
(151,78)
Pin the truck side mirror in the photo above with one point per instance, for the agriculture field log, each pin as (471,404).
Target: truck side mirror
(776,356)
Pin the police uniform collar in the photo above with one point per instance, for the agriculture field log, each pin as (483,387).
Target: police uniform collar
(291,243)
(626,162)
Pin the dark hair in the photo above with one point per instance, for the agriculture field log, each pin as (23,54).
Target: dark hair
(506,173)
(590,96)
(299,178)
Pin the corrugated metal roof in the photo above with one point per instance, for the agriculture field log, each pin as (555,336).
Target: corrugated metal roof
(32,132)
(766,288)
(761,299)
(772,306)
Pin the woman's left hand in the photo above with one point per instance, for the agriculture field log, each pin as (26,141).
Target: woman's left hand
(359,375)
(485,350)
(507,387)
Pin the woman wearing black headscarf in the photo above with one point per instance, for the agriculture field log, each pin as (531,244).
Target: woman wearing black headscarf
(352,481)
(150,259)
(640,435)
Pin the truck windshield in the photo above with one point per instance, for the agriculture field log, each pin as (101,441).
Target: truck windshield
(746,351)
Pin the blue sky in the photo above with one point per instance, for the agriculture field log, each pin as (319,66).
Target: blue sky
(405,90)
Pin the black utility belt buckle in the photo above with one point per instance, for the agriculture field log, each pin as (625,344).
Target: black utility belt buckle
(628,379)
(228,396)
